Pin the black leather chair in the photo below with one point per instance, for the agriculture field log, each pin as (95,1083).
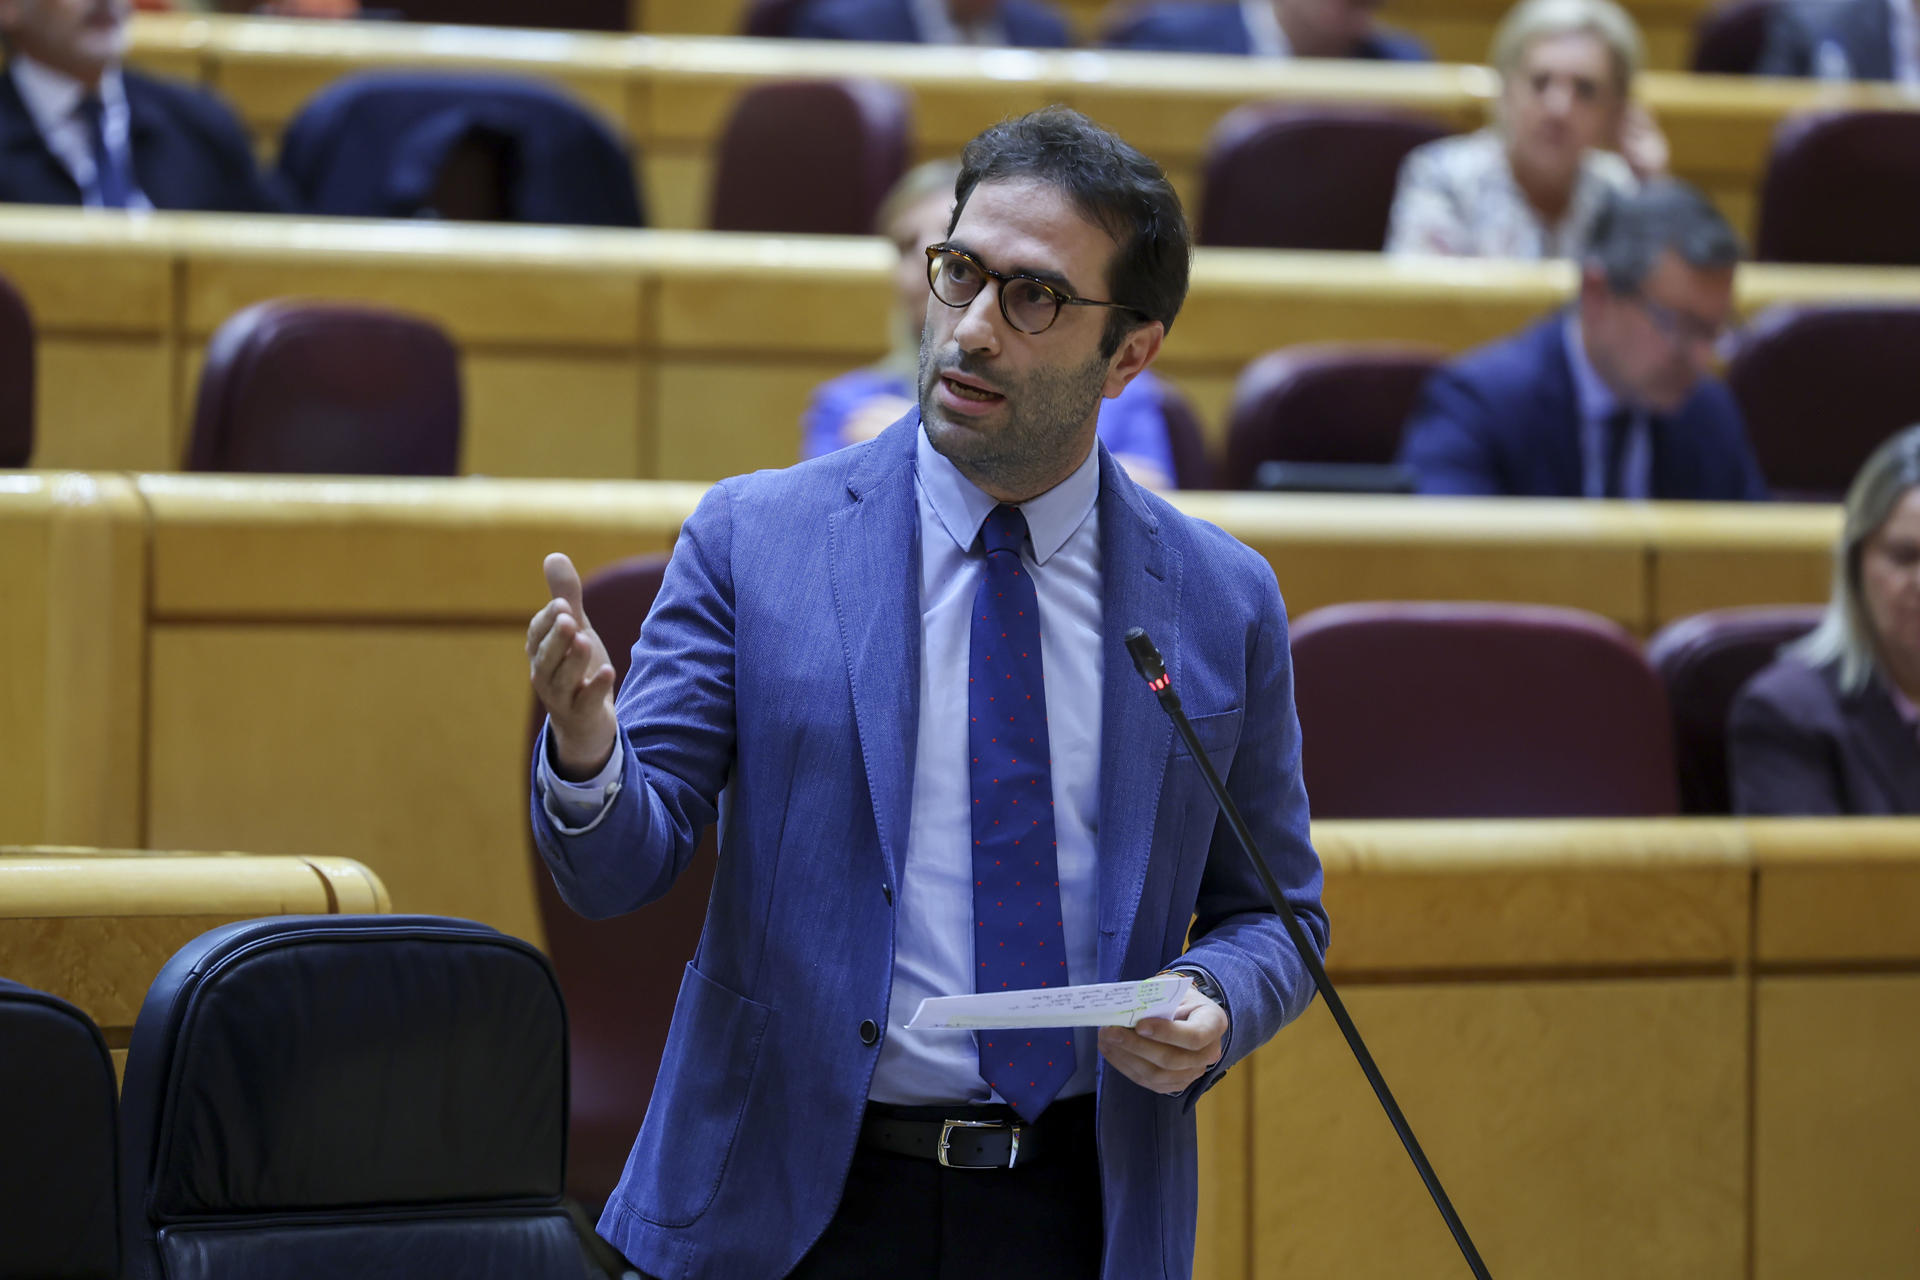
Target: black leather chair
(310,1097)
(57,1174)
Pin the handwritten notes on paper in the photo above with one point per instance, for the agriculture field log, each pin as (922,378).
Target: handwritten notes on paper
(1105,1004)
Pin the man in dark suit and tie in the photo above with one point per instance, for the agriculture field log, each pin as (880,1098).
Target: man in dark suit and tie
(77,128)
(1611,398)
(1021,23)
(1268,28)
(897,674)
(1844,40)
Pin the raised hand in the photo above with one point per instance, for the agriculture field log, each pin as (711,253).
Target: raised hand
(572,676)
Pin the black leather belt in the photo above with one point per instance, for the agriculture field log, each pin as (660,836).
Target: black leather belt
(989,1137)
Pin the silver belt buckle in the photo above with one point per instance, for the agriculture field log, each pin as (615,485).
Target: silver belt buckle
(946,1138)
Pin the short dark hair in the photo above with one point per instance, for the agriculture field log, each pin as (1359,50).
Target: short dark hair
(1635,228)
(1112,186)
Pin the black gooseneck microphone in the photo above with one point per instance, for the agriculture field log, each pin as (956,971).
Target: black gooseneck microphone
(1147,661)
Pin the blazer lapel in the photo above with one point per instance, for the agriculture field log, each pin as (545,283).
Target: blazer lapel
(874,559)
(1140,587)
(38,175)
(1888,745)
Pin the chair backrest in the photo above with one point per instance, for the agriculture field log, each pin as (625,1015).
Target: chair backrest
(1186,440)
(1478,711)
(1821,387)
(621,975)
(1844,187)
(558,15)
(58,1178)
(773,18)
(1729,38)
(328,388)
(1704,660)
(305,1093)
(1290,177)
(813,156)
(1324,402)
(378,144)
(16,377)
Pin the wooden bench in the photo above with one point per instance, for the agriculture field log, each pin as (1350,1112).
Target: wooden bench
(671,94)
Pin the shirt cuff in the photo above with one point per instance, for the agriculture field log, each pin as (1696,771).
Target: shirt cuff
(576,808)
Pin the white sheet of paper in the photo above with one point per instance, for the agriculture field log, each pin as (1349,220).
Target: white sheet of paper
(1104,1004)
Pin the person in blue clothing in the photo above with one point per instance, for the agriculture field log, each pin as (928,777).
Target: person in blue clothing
(1611,398)
(1268,28)
(1022,23)
(76,128)
(860,405)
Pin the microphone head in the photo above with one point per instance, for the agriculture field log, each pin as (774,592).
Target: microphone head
(1146,658)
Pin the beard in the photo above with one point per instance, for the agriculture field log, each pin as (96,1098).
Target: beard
(1037,436)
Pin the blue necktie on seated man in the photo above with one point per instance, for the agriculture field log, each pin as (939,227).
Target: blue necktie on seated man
(1019,938)
(112,185)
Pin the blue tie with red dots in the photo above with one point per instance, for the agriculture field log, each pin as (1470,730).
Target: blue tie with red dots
(1019,938)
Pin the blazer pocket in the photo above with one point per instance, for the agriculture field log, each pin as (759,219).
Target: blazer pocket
(1219,734)
(694,1115)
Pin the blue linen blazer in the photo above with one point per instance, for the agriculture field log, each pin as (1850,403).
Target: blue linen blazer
(1505,420)
(189,152)
(1221,28)
(775,684)
(1029,25)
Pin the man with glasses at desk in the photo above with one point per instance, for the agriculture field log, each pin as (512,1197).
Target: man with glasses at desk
(1614,397)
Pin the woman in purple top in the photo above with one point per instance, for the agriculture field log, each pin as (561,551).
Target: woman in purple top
(859,405)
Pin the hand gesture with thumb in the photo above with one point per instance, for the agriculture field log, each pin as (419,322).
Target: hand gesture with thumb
(572,676)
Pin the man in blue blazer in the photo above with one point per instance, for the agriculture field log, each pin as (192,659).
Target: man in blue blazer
(1612,398)
(77,128)
(1267,28)
(1843,40)
(1021,23)
(826,668)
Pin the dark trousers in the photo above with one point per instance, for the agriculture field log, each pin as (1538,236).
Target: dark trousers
(902,1218)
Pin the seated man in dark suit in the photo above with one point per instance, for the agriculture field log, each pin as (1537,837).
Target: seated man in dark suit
(1023,23)
(77,128)
(1268,28)
(1611,398)
(1844,40)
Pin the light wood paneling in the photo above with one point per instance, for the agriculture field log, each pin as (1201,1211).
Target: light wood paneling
(1837,892)
(1836,1132)
(1713,555)
(72,574)
(1582,1129)
(295,739)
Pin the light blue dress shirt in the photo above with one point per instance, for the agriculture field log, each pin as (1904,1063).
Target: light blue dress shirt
(933,939)
(1597,403)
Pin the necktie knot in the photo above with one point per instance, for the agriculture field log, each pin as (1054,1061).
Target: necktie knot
(1005,529)
(91,111)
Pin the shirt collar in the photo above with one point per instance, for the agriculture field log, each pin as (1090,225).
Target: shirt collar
(1902,704)
(1596,398)
(52,97)
(962,506)
(1265,36)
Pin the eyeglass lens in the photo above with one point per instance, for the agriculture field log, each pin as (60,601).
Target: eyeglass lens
(1028,305)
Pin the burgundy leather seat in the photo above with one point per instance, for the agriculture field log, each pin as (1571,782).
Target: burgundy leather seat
(328,388)
(16,377)
(1478,711)
(1324,402)
(1821,387)
(1729,38)
(1290,177)
(619,976)
(811,156)
(1192,463)
(1704,661)
(1842,186)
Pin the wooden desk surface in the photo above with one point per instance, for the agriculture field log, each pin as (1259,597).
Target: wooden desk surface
(671,93)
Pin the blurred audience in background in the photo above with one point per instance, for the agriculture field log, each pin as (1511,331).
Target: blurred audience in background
(78,128)
(1024,23)
(1266,29)
(859,405)
(1612,398)
(1833,726)
(1844,40)
(1565,136)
